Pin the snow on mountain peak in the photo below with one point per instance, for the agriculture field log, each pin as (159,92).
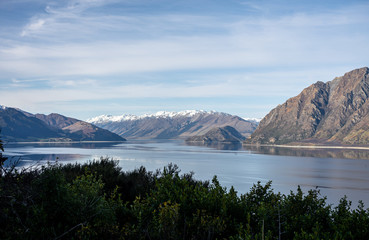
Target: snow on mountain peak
(160,114)
(187,113)
(257,120)
(110,118)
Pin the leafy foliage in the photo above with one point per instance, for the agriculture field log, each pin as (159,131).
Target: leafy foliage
(2,159)
(98,200)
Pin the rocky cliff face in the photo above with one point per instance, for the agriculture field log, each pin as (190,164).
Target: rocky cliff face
(332,112)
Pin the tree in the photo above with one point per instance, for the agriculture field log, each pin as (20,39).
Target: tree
(2,159)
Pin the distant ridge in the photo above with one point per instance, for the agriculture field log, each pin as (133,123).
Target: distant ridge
(336,112)
(160,114)
(171,125)
(225,134)
(18,125)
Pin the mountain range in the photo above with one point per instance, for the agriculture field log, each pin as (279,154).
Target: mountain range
(18,125)
(169,125)
(335,112)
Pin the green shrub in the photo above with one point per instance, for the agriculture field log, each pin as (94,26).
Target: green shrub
(97,200)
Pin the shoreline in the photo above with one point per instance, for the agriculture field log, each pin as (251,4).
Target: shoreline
(310,146)
(63,142)
(243,144)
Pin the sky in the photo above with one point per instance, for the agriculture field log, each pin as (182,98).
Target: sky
(84,58)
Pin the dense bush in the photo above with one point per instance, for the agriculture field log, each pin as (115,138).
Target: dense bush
(98,200)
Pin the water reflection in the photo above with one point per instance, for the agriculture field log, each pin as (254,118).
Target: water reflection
(84,145)
(286,151)
(329,170)
(40,159)
(310,152)
(217,145)
(26,154)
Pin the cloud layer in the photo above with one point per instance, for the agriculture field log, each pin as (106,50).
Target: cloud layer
(95,50)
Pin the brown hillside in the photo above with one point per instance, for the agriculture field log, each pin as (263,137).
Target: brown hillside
(336,111)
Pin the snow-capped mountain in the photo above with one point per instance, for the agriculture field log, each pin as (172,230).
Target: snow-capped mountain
(161,114)
(167,125)
(257,120)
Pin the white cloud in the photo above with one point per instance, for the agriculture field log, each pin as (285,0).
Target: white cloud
(261,85)
(277,55)
(69,97)
(148,43)
(276,47)
(34,26)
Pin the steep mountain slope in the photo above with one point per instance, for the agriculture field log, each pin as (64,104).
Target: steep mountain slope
(167,125)
(225,134)
(17,125)
(56,120)
(77,129)
(332,112)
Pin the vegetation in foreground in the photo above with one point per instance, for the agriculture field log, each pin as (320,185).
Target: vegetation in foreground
(98,200)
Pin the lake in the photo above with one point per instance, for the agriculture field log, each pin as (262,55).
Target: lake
(335,172)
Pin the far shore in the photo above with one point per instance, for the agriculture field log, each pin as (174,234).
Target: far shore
(60,142)
(253,145)
(311,146)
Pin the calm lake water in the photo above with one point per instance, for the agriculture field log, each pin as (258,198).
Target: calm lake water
(335,172)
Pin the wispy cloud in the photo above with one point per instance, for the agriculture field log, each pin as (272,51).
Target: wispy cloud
(34,26)
(84,54)
(240,42)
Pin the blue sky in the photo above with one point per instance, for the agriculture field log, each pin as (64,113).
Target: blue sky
(84,58)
